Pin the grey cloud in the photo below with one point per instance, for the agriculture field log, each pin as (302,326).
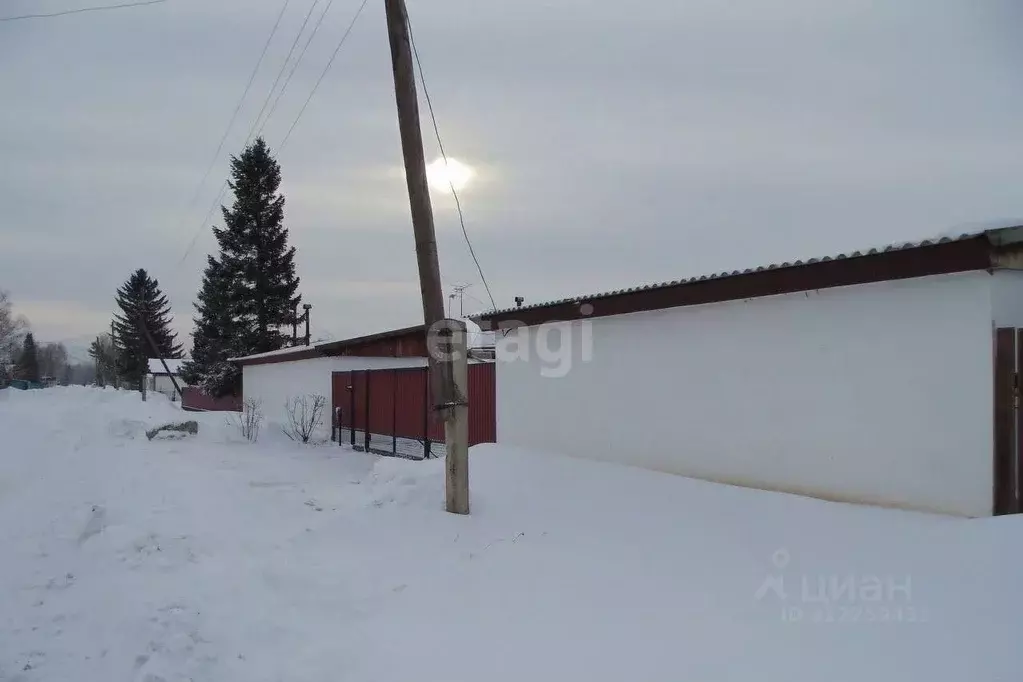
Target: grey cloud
(616,144)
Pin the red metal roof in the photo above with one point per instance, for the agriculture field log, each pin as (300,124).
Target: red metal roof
(969,251)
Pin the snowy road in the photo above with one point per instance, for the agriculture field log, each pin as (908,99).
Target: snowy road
(208,559)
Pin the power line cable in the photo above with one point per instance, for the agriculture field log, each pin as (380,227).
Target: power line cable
(284,65)
(80,10)
(198,230)
(319,80)
(252,129)
(224,185)
(444,156)
(294,67)
(230,124)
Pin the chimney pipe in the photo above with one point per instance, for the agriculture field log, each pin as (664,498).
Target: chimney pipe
(306,307)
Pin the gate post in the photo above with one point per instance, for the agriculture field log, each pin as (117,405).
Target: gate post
(367,374)
(426,416)
(351,399)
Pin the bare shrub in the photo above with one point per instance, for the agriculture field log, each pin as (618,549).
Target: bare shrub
(305,414)
(249,419)
(12,331)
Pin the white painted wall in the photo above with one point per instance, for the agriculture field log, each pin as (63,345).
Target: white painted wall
(877,393)
(162,383)
(274,383)
(1007,298)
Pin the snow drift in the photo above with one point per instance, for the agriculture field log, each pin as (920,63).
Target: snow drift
(215,559)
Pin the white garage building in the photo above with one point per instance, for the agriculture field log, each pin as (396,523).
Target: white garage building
(275,377)
(867,377)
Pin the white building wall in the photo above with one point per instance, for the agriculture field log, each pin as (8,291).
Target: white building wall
(161,383)
(878,393)
(275,383)
(1007,298)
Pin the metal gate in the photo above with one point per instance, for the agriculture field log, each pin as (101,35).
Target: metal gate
(1008,468)
(387,411)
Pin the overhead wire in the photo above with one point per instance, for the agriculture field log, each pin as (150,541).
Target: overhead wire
(444,156)
(230,124)
(252,130)
(280,72)
(80,10)
(319,80)
(294,66)
(224,186)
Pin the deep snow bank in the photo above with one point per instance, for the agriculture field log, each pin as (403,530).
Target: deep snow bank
(208,559)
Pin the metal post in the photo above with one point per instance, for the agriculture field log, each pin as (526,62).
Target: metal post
(394,412)
(306,307)
(427,446)
(351,394)
(365,432)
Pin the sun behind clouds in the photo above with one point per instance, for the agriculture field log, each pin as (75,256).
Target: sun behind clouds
(442,175)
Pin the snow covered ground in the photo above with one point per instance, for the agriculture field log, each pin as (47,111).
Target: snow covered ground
(214,559)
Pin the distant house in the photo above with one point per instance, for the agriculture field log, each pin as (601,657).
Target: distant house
(159,380)
(885,376)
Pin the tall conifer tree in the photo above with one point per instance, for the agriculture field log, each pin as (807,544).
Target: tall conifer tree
(141,302)
(250,289)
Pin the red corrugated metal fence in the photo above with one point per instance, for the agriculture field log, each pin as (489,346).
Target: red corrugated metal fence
(194,400)
(387,411)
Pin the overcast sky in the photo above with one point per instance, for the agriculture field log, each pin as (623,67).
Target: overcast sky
(615,143)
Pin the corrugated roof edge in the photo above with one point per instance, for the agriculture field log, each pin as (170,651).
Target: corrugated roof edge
(1000,236)
(323,348)
(273,353)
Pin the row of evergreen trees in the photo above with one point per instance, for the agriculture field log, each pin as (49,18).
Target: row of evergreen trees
(249,292)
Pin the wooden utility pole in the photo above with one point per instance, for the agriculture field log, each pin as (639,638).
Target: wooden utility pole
(442,336)
(163,361)
(456,424)
(142,353)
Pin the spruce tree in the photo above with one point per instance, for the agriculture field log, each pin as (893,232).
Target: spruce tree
(28,362)
(250,291)
(142,302)
(213,337)
(255,254)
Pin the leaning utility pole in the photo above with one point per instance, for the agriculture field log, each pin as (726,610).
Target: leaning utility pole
(445,338)
(163,361)
(143,358)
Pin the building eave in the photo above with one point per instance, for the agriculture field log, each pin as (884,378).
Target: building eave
(967,252)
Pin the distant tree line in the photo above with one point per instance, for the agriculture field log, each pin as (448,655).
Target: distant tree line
(22,358)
